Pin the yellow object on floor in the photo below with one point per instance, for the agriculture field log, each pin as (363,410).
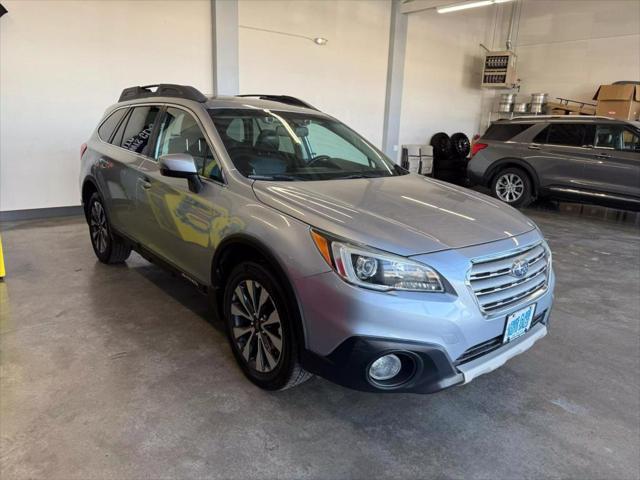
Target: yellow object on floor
(2,272)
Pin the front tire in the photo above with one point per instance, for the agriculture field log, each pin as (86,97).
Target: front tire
(513,186)
(108,247)
(259,322)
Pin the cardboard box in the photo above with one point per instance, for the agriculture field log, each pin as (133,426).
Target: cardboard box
(575,108)
(618,101)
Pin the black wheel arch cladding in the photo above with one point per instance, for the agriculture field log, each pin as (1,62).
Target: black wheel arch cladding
(228,250)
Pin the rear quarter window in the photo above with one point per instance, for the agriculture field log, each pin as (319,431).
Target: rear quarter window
(505,131)
(105,131)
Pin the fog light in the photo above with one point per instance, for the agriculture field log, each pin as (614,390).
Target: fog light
(385,367)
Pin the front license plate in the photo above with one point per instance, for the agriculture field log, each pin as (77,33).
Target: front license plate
(518,323)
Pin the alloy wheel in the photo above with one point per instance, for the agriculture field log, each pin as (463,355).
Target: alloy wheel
(509,187)
(256,326)
(98,227)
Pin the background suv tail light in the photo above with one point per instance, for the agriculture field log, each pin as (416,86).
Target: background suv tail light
(476,147)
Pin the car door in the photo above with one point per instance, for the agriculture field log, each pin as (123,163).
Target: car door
(117,167)
(617,151)
(564,156)
(180,225)
(132,138)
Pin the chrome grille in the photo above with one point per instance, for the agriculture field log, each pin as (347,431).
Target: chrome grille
(496,288)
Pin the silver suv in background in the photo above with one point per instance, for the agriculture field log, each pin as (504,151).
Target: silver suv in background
(318,253)
(585,159)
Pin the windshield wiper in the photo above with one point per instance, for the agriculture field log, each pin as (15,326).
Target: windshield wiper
(360,175)
(278,176)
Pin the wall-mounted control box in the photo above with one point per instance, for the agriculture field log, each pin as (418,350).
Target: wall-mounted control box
(499,70)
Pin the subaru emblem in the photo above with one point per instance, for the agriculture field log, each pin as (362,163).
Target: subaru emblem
(519,268)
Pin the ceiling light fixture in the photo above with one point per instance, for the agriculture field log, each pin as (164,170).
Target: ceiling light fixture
(317,40)
(465,5)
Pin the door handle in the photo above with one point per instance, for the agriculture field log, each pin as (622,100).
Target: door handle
(534,147)
(146,184)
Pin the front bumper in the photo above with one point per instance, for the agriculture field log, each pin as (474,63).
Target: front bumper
(348,327)
(433,370)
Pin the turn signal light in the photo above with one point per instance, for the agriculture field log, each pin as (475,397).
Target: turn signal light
(83,148)
(323,246)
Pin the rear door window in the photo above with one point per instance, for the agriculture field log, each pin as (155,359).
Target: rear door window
(105,131)
(139,127)
(567,134)
(505,131)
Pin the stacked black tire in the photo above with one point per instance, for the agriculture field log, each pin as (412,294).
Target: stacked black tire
(450,157)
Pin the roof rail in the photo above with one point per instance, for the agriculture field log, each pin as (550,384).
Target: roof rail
(562,117)
(162,90)
(296,102)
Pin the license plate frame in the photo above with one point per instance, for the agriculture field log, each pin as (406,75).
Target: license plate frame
(518,323)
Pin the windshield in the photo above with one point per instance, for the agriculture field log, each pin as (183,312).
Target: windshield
(270,145)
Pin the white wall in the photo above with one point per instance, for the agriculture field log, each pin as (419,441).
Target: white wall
(63,62)
(567,48)
(443,66)
(345,78)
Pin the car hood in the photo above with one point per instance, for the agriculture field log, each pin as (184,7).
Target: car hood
(406,215)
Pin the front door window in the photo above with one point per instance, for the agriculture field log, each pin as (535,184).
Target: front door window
(181,133)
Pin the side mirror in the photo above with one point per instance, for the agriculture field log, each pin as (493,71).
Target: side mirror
(181,165)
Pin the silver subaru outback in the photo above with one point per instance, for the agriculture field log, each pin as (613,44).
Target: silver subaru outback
(320,255)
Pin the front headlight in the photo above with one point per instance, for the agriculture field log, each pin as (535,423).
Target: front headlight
(376,270)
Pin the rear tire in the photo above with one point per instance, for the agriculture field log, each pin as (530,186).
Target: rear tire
(513,186)
(107,245)
(259,321)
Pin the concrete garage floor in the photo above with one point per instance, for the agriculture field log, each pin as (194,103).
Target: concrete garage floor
(118,372)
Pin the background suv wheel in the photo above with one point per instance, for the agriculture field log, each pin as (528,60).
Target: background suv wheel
(259,326)
(513,186)
(108,247)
